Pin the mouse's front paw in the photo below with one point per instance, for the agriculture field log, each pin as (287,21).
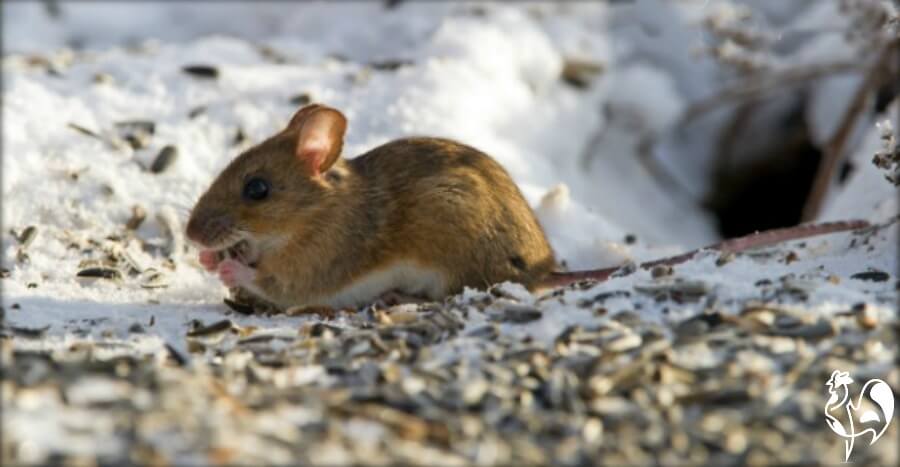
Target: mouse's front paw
(209,259)
(233,273)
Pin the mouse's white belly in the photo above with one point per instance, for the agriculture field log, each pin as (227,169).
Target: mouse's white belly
(406,277)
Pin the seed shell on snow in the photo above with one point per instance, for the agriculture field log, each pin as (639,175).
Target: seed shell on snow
(145,126)
(138,214)
(27,236)
(213,328)
(111,141)
(136,133)
(518,314)
(874,276)
(301,99)
(239,307)
(580,73)
(164,159)
(100,273)
(31,333)
(153,279)
(201,71)
(196,111)
(239,137)
(661,270)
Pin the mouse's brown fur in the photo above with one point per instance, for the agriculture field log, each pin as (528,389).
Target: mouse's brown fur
(430,203)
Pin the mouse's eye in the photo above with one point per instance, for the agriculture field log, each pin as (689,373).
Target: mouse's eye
(256,189)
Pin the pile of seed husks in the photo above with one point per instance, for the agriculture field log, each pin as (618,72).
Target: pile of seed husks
(422,384)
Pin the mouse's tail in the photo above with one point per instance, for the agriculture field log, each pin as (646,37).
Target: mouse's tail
(748,242)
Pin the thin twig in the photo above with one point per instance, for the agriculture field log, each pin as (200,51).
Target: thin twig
(834,149)
(771,82)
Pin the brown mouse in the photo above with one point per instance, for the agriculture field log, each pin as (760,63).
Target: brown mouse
(420,216)
(294,224)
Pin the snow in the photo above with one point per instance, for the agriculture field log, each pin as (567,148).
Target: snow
(486,74)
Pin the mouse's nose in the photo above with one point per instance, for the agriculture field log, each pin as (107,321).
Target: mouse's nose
(207,227)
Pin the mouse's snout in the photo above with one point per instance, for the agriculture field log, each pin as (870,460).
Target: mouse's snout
(208,228)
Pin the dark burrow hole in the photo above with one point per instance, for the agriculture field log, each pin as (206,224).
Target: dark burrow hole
(767,194)
(767,161)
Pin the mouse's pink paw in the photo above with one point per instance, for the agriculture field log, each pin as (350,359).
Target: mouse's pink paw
(235,274)
(209,259)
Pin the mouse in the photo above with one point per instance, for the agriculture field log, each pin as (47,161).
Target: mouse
(292,223)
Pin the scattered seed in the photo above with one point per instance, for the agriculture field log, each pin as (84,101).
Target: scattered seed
(791,257)
(137,133)
(691,328)
(85,131)
(400,315)
(241,308)
(391,64)
(134,266)
(100,273)
(27,236)
(217,327)
(153,279)
(31,333)
(725,258)
(601,297)
(488,331)
(580,73)
(164,159)
(625,270)
(519,314)
(22,256)
(103,78)
(661,270)
(820,329)
(138,214)
(201,71)
(271,54)
(144,126)
(176,355)
(239,137)
(687,289)
(137,140)
(784,321)
(301,99)
(624,342)
(196,112)
(873,275)
(866,316)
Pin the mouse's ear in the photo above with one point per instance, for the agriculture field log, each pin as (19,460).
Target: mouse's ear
(320,136)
